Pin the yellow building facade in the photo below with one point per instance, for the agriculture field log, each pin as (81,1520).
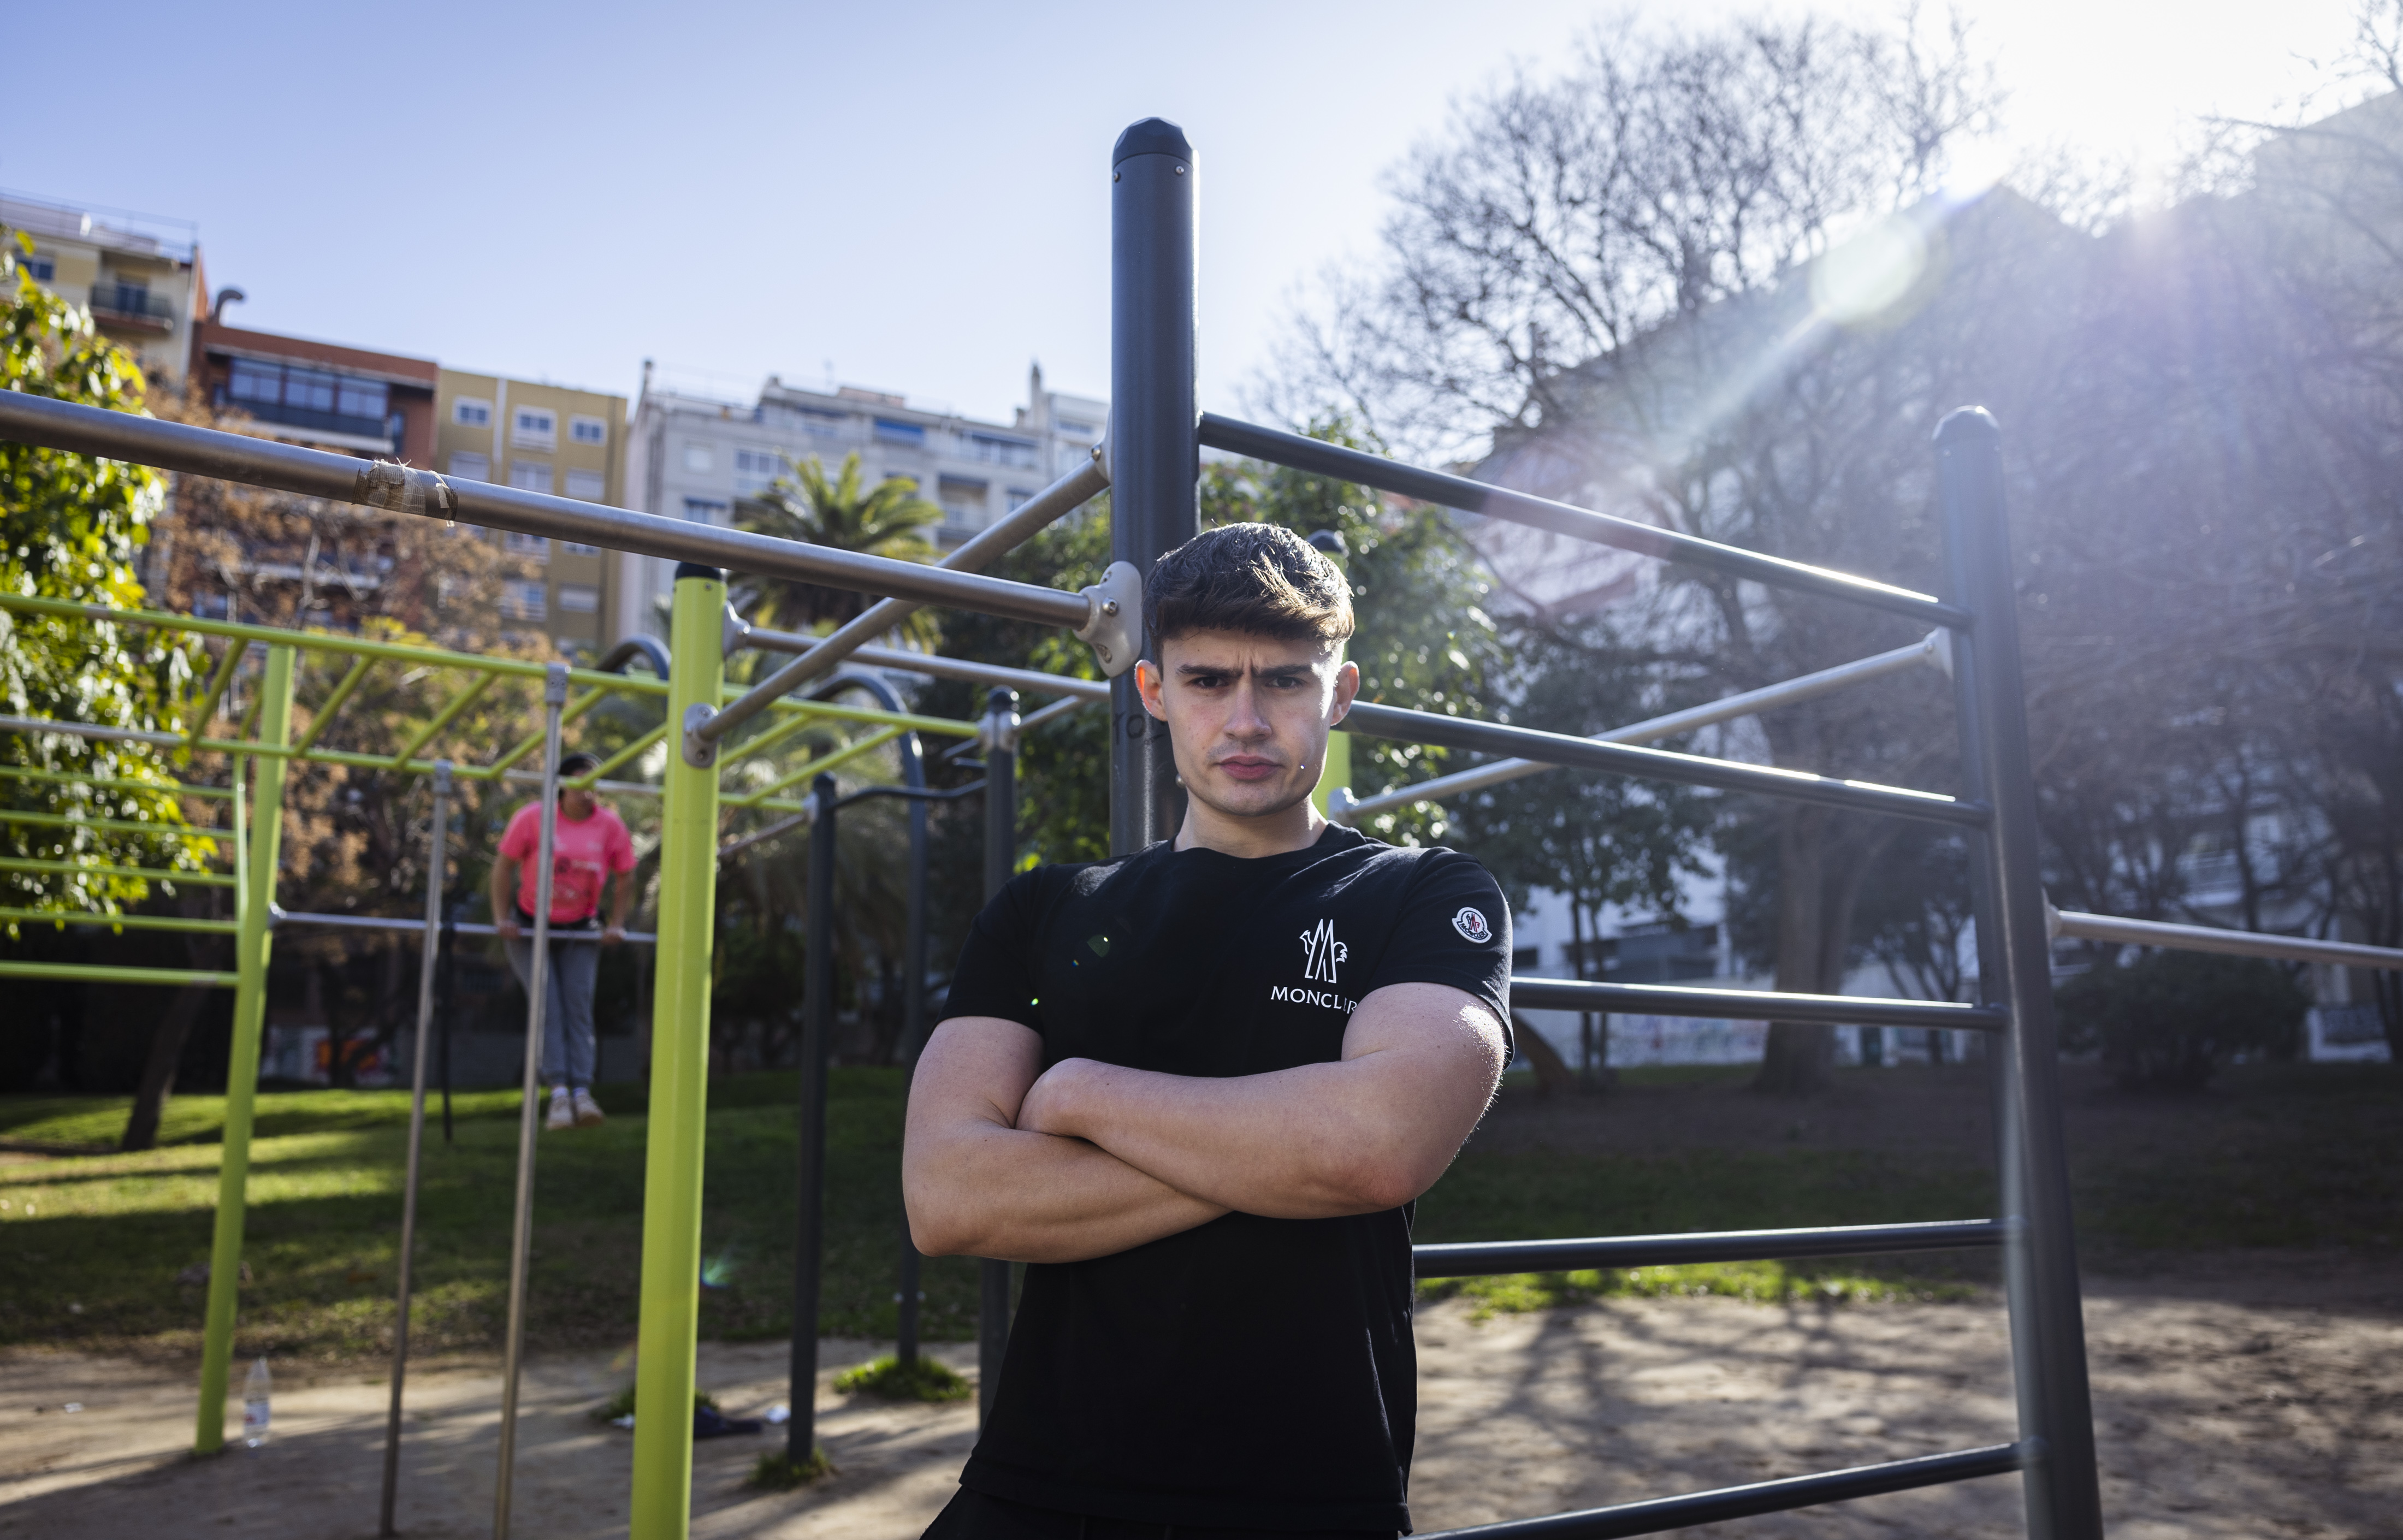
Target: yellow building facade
(550,438)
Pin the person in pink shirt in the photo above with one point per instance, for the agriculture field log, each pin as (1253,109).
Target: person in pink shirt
(590,848)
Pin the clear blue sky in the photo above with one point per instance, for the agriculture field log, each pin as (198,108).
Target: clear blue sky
(915,194)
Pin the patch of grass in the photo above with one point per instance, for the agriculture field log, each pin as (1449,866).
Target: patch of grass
(778,1473)
(622,1405)
(1768,1283)
(924,1380)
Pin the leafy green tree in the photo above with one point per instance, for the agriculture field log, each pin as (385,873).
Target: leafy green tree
(70,529)
(887,519)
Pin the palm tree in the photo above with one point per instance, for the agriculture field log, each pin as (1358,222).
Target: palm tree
(886,520)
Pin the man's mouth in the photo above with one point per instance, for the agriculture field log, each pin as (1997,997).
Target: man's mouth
(1249,767)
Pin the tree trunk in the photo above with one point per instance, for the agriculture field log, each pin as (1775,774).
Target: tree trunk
(1796,1059)
(159,1071)
(1552,1072)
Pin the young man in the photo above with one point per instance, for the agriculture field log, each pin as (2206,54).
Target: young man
(1199,1088)
(589,847)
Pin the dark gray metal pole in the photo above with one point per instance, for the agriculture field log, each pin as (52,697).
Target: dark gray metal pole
(913,1036)
(1000,856)
(2015,971)
(817,1032)
(1155,443)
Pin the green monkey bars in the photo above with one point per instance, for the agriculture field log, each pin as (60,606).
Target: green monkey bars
(262,749)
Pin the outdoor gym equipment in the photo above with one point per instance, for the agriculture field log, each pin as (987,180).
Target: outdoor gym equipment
(258,916)
(1151,461)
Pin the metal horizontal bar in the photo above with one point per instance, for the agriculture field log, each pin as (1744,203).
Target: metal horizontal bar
(92,730)
(939,667)
(1051,712)
(1458,492)
(1848,1010)
(1482,1258)
(1663,1513)
(2236,943)
(119,826)
(110,783)
(198,879)
(810,769)
(1029,518)
(314,641)
(1555,748)
(382,484)
(130,921)
(95,973)
(379,923)
(1931,651)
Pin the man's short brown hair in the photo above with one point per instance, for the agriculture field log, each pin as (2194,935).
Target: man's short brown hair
(1260,579)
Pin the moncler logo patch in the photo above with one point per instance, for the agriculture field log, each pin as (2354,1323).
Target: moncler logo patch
(1471,923)
(1321,951)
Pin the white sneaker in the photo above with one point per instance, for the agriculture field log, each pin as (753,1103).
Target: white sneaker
(588,1112)
(563,1110)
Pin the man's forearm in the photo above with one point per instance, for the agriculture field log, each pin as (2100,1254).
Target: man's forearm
(1369,1131)
(988,1190)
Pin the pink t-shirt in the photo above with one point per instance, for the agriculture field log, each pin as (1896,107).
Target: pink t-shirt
(583,854)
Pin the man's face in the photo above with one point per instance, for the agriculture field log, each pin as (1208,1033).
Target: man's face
(1249,716)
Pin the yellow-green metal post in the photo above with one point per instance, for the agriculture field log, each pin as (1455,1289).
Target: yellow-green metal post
(255,854)
(661,1508)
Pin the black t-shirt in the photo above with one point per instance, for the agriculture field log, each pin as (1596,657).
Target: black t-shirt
(1250,1372)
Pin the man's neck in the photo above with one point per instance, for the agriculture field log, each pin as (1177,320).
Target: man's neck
(1297,828)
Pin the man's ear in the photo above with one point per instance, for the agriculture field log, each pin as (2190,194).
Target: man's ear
(1148,683)
(1347,685)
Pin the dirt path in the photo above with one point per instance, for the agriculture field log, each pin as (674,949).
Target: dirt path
(2245,1400)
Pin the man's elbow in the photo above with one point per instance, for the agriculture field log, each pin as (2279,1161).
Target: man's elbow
(1385,1180)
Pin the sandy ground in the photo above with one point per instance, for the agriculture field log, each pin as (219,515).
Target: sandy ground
(2248,1398)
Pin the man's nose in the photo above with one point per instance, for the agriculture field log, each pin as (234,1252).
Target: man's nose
(1246,719)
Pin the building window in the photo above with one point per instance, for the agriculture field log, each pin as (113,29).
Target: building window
(755,470)
(1078,430)
(587,486)
(994,451)
(40,268)
(700,510)
(1018,498)
(587,430)
(524,601)
(468,412)
(302,396)
(575,549)
(579,599)
(533,428)
(530,475)
(963,500)
(468,465)
(699,460)
(900,433)
(534,546)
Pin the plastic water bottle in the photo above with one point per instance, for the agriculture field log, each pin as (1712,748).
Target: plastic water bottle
(254,1405)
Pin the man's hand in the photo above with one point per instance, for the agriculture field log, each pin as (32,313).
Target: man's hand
(1370,1131)
(506,921)
(612,933)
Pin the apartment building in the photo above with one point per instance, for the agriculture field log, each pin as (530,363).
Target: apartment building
(139,274)
(548,438)
(694,455)
(323,394)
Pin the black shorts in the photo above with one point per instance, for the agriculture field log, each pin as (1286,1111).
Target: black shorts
(974,1516)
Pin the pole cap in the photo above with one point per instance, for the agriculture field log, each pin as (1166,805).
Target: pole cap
(1964,423)
(694,569)
(1153,137)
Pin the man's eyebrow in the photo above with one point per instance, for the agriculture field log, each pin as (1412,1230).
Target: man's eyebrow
(1282,671)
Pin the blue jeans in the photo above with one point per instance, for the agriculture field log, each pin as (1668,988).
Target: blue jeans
(568,1050)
